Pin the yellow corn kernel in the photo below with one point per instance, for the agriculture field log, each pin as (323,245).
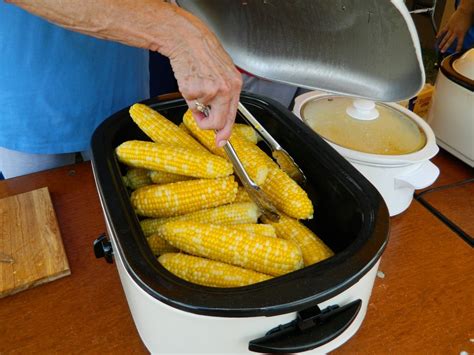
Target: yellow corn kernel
(255,165)
(162,177)
(206,272)
(286,195)
(183,197)
(136,178)
(160,246)
(313,248)
(242,195)
(172,159)
(272,256)
(233,213)
(246,132)
(265,230)
(160,129)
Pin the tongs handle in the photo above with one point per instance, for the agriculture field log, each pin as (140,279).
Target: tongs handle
(259,128)
(238,167)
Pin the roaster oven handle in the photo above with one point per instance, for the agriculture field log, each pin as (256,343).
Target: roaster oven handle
(311,329)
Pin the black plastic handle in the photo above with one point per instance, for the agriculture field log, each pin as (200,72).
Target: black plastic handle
(311,329)
(103,249)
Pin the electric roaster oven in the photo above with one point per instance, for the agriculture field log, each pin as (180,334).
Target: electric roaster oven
(319,307)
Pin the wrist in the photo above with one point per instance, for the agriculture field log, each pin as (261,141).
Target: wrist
(467,7)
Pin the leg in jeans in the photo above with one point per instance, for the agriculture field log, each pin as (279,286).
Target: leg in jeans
(14,163)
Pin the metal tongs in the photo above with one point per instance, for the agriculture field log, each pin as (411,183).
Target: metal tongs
(255,192)
(284,160)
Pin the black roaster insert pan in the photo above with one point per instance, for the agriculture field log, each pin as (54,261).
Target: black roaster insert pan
(350,216)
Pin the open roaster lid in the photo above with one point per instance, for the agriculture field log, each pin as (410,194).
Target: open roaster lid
(363,125)
(363,48)
(350,216)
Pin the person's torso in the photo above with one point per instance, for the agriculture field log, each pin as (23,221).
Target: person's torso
(56,85)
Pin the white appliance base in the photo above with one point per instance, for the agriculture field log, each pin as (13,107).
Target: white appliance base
(167,330)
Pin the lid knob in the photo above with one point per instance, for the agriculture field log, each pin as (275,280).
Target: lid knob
(363,110)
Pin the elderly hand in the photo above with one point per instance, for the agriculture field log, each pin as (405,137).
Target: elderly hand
(207,75)
(455,28)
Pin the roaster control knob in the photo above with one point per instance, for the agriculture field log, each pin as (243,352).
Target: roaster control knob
(103,248)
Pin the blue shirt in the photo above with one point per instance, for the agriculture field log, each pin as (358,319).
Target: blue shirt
(57,86)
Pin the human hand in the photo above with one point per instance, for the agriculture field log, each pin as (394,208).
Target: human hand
(455,28)
(207,75)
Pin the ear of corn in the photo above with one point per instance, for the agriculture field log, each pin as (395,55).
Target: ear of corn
(160,246)
(242,195)
(255,165)
(183,197)
(209,272)
(162,177)
(286,164)
(182,127)
(286,195)
(246,132)
(283,192)
(160,129)
(205,136)
(136,178)
(172,159)
(272,256)
(265,230)
(233,213)
(313,248)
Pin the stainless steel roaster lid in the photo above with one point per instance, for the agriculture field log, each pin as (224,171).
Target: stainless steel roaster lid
(364,48)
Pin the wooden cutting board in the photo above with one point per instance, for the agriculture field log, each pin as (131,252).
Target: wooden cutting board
(29,233)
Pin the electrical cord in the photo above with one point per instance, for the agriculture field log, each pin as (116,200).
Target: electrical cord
(444,187)
(453,226)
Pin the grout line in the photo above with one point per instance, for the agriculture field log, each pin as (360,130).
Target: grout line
(454,227)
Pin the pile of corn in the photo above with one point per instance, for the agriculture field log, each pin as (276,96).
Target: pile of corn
(199,222)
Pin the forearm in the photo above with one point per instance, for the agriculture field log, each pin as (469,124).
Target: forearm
(467,6)
(150,24)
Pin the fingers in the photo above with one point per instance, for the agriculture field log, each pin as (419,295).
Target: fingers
(224,134)
(222,102)
(460,43)
(447,41)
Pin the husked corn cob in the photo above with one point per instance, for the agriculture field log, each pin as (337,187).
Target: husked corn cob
(183,197)
(242,195)
(246,132)
(162,130)
(256,166)
(136,177)
(233,213)
(162,177)
(209,272)
(182,127)
(283,192)
(286,164)
(172,159)
(205,136)
(272,256)
(313,248)
(286,195)
(160,246)
(265,230)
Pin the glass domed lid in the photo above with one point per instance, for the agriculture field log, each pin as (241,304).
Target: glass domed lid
(363,125)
